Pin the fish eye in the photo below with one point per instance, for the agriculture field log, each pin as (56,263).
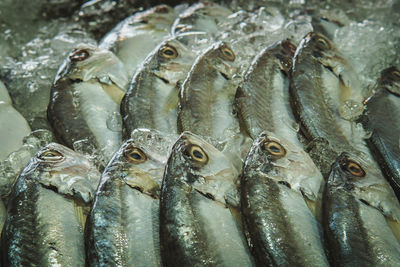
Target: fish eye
(135,155)
(322,43)
(168,52)
(354,168)
(227,53)
(51,155)
(79,55)
(197,154)
(274,148)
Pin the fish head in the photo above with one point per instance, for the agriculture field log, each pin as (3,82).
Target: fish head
(87,62)
(203,16)
(390,79)
(278,159)
(174,60)
(363,179)
(345,173)
(325,52)
(220,57)
(141,160)
(319,44)
(158,17)
(65,171)
(203,167)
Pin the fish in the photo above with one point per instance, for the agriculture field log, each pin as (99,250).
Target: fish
(11,167)
(319,86)
(265,90)
(196,226)
(357,233)
(123,225)
(381,119)
(136,36)
(280,227)
(328,140)
(47,210)
(203,16)
(84,103)
(206,104)
(326,102)
(152,98)
(14,126)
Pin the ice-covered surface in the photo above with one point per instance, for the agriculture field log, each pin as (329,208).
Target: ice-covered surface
(29,75)
(17,160)
(370,46)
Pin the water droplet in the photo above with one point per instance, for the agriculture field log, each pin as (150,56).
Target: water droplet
(114,122)
(351,110)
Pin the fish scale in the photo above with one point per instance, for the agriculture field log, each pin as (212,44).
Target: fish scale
(123,227)
(281,228)
(369,240)
(42,227)
(193,208)
(380,118)
(152,99)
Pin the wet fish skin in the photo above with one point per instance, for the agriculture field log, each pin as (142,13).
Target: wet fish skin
(307,91)
(280,228)
(368,238)
(206,104)
(84,100)
(381,119)
(322,126)
(122,228)
(136,36)
(152,98)
(17,161)
(188,236)
(201,17)
(46,211)
(265,91)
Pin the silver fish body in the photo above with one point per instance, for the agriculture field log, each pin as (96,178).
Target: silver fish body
(196,227)
(206,99)
(206,102)
(152,99)
(326,100)
(201,17)
(85,97)
(358,234)
(265,90)
(136,36)
(47,210)
(123,228)
(310,78)
(381,118)
(280,227)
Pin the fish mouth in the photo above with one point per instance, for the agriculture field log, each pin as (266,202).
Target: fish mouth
(165,80)
(226,77)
